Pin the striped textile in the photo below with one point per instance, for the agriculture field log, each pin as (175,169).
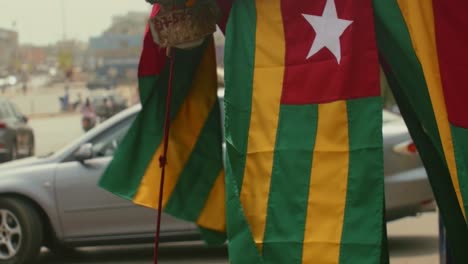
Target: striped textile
(194,186)
(304,166)
(421,44)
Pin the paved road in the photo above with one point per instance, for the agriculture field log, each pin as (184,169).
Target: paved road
(194,253)
(414,240)
(39,98)
(43,98)
(411,241)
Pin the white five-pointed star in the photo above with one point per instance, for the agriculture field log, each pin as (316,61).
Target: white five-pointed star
(328,29)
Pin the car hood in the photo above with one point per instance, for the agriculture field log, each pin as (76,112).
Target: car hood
(23,163)
(394,128)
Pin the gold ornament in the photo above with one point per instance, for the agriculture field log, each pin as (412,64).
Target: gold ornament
(184,26)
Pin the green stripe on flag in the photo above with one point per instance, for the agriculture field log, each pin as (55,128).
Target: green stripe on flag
(239,70)
(460,144)
(146,86)
(289,189)
(439,175)
(239,61)
(405,76)
(396,49)
(200,173)
(363,220)
(122,177)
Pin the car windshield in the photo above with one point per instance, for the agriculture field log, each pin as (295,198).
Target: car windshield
(388,117)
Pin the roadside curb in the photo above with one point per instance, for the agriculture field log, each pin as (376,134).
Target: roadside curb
(50,115)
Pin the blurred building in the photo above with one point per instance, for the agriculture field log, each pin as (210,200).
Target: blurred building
(35,56)
(115,53)
(8,50)
(59,59)
(71,53)
(132,23)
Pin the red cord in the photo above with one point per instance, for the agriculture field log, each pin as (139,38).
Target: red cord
(163,157)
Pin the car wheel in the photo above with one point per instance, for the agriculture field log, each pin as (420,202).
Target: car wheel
(21,232)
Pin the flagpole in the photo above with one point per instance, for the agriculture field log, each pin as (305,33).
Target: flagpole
(64,20)
(163,157)
(444,250)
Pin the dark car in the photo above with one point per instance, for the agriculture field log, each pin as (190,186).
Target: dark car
(107,105)
(16,136)
(99,82)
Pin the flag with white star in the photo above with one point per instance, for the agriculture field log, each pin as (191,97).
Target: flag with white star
(304,162)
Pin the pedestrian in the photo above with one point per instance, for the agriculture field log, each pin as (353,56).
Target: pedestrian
(25,83)
(64,100)
(87,109)
(108,108)
(78,101)
(88,119)
(25,88)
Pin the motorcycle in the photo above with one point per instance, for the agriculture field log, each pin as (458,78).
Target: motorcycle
(88,121)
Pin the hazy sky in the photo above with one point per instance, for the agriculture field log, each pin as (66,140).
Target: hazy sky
(40,21)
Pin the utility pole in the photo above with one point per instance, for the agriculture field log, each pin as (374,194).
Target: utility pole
(15,65)
(444,249)
(64,19)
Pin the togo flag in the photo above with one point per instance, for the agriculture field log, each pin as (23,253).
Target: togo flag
(304,161)
(423,48)
(194,183)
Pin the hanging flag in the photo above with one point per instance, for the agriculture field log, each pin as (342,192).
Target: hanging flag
(224,8)
(422,47)
(450,26)
(304,161)
(194,182)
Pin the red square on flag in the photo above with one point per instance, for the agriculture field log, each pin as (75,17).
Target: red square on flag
(331,51)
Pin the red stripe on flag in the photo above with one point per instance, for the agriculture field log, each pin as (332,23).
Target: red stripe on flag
(320,78)
(225,7)
(451,23)
(153,58)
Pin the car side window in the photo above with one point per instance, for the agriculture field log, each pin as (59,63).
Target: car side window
(16,111)
(106,144)
(5,111)
(13,110)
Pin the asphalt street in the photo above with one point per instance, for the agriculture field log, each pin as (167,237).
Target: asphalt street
(411,241)
(194,253)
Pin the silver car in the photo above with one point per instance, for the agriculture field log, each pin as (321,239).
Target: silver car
(54,200)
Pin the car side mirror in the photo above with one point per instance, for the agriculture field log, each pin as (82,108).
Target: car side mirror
(85,152)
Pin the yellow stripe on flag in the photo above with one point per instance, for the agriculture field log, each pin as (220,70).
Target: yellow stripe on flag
(213,215)
(419,17)
(184,132)
(328,186)
(267,88)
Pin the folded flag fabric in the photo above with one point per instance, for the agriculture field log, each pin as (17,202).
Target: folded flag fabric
(304,162)
(194,185)
(421,44)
